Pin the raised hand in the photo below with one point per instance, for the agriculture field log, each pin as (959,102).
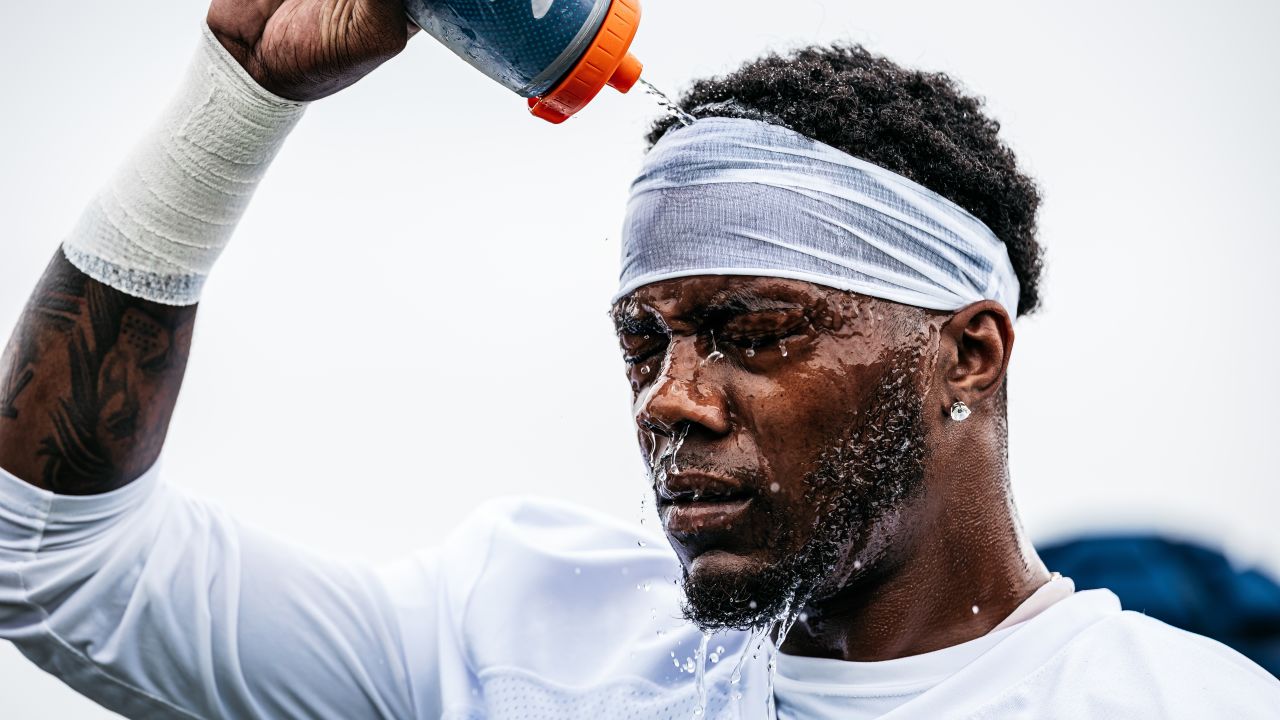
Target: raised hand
(309,49)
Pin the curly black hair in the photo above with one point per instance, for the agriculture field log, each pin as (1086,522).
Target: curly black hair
(918,124)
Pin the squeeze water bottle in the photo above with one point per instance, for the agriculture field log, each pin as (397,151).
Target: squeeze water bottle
(557,53)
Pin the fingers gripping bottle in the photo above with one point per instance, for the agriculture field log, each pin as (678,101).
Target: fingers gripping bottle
(557,53)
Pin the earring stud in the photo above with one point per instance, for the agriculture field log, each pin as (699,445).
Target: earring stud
(960,411)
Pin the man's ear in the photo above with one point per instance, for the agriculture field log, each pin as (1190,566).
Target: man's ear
(973,353)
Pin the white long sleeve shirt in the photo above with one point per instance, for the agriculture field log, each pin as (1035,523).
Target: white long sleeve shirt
(158,605)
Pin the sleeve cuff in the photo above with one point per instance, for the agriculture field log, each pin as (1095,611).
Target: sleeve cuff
(32,519)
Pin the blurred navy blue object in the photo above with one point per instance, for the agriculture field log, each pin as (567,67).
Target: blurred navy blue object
(1185,585)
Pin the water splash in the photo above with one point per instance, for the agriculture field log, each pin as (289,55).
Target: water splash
(668,104)
(700,679)
(783,625)
(674,449)
(756,638)
(775,630)
(644,509)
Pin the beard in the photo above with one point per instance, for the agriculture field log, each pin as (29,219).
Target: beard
(872,469)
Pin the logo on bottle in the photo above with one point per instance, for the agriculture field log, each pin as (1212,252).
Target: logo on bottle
(541,8)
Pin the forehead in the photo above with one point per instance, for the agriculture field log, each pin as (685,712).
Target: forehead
(697,294)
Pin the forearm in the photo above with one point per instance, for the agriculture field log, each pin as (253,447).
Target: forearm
(89,379)
(88,383)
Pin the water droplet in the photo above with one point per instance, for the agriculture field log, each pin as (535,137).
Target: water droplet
(782,346)
(774,487)
(975,609)
(715,351)
(750,352)
(857,564)
(752,605)
(644,370)
(803,617)
(641,543)
(577,571)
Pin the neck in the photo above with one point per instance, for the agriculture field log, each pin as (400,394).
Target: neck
(968,551)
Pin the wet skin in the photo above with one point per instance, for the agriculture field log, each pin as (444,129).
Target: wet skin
(760,376)
(90,376)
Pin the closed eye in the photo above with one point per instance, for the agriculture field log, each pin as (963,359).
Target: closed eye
(764,327)
(641,342)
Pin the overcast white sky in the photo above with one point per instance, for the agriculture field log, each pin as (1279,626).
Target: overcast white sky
(408,324)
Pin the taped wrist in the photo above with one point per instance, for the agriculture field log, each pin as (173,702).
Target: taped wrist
(156,229)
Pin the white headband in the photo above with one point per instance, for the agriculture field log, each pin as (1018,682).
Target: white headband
(739,197)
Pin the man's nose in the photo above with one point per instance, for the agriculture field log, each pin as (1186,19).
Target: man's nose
(684,392)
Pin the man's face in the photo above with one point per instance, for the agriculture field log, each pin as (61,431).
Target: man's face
(782,423)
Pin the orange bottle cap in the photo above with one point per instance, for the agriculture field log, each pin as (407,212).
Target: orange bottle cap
(607,62)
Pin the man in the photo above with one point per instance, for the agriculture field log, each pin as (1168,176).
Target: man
(820,278)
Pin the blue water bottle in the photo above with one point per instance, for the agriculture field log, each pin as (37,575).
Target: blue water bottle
(557,53)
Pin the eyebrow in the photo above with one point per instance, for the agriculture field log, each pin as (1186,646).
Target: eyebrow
(636,322)
(727,302)
(737,301)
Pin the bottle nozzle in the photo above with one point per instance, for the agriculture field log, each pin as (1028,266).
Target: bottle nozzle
(627,74)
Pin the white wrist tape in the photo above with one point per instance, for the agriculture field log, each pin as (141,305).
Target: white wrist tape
(156,229)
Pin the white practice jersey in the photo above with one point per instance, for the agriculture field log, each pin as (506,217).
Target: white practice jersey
(158,605)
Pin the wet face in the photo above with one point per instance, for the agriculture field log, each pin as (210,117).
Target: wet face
(782,424)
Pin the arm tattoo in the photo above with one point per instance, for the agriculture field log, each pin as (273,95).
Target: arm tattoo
(90,379)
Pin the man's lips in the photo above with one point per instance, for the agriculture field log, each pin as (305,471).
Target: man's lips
(685,520)
(691,486)
(693,503)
